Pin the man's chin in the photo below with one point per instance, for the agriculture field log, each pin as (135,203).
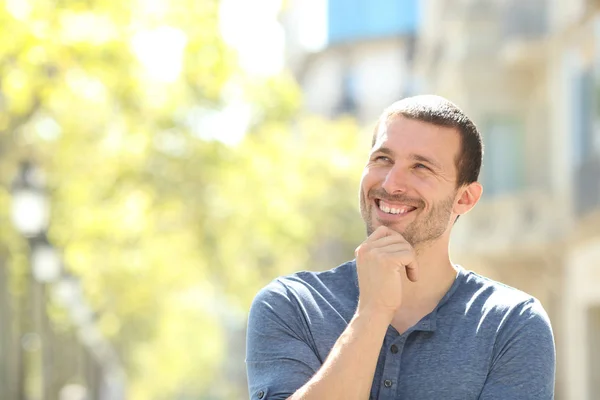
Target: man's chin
(393,226)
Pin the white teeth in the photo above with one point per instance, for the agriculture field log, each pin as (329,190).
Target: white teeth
(389,210)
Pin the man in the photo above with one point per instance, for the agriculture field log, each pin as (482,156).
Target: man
(401,321)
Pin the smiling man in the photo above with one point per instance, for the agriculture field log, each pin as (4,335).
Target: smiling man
(401,321)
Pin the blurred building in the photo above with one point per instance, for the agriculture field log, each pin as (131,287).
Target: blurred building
(366,60)
(528,73)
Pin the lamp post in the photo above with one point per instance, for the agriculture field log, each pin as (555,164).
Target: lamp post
(7,337)
(30,215)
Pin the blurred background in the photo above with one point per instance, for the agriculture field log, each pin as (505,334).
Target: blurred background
(161,161)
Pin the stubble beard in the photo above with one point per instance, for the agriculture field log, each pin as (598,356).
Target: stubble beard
(424,229)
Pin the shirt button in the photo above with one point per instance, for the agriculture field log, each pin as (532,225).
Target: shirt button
(394,349)
(261,394)
(387,383)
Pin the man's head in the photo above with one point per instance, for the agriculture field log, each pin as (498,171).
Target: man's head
(422,170)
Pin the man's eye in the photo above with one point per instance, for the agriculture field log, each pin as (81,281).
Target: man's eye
(420,166)
(382,158)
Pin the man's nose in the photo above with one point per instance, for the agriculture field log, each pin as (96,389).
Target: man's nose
(395,180)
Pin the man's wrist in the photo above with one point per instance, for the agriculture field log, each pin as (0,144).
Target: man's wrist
(374,316)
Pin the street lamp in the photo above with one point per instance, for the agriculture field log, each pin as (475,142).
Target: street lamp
(68,293)
(45,262)
(30,209)
(30,215)
(67,290)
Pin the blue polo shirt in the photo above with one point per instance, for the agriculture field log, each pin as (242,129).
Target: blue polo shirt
(484,340)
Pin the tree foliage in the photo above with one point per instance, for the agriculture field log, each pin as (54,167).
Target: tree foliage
(171,230)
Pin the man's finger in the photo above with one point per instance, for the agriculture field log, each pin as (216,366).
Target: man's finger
(388,241)
(406,257)
(380,232)
(412,271)
(404,251)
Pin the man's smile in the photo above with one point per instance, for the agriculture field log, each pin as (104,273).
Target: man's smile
(395,209)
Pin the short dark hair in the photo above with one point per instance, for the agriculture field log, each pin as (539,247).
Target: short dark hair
(439,111)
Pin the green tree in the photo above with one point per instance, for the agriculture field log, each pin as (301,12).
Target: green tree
(171,230)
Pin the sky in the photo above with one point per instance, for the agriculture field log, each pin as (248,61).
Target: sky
(253,30)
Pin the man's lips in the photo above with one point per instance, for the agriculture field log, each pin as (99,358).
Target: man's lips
(392,208)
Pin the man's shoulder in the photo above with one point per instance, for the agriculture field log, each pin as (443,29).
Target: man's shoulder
(496,291)
(342,275)
(488,297)
(511,323)
(309,283)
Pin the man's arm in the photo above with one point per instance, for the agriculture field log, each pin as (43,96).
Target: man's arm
(281,360)
(524,364)
(348,370)
(347,373)
(279,355)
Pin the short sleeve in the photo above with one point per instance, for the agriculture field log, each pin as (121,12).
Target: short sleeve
(279,355)
(524,357)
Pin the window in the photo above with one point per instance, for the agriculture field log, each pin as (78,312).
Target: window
(583,112)
(503,169)
(586,161)
(347,103)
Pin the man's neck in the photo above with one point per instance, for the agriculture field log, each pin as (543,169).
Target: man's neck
(435,277)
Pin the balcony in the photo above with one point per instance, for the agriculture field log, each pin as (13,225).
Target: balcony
(524,222)
(524,26)
(474,32)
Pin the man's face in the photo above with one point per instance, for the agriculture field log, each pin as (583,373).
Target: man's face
(409,182)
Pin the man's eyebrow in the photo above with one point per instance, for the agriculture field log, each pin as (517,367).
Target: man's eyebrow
(384,150)
(420,158)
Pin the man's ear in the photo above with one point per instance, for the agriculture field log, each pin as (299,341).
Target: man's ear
(469,196)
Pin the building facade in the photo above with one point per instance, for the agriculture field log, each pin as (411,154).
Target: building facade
(528,73)
(365,63)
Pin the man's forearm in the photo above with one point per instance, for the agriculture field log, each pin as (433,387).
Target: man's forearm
(348,370)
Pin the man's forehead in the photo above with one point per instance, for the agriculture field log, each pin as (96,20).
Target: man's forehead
(434,147)
(383,128)
(416,128)
(380,136)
